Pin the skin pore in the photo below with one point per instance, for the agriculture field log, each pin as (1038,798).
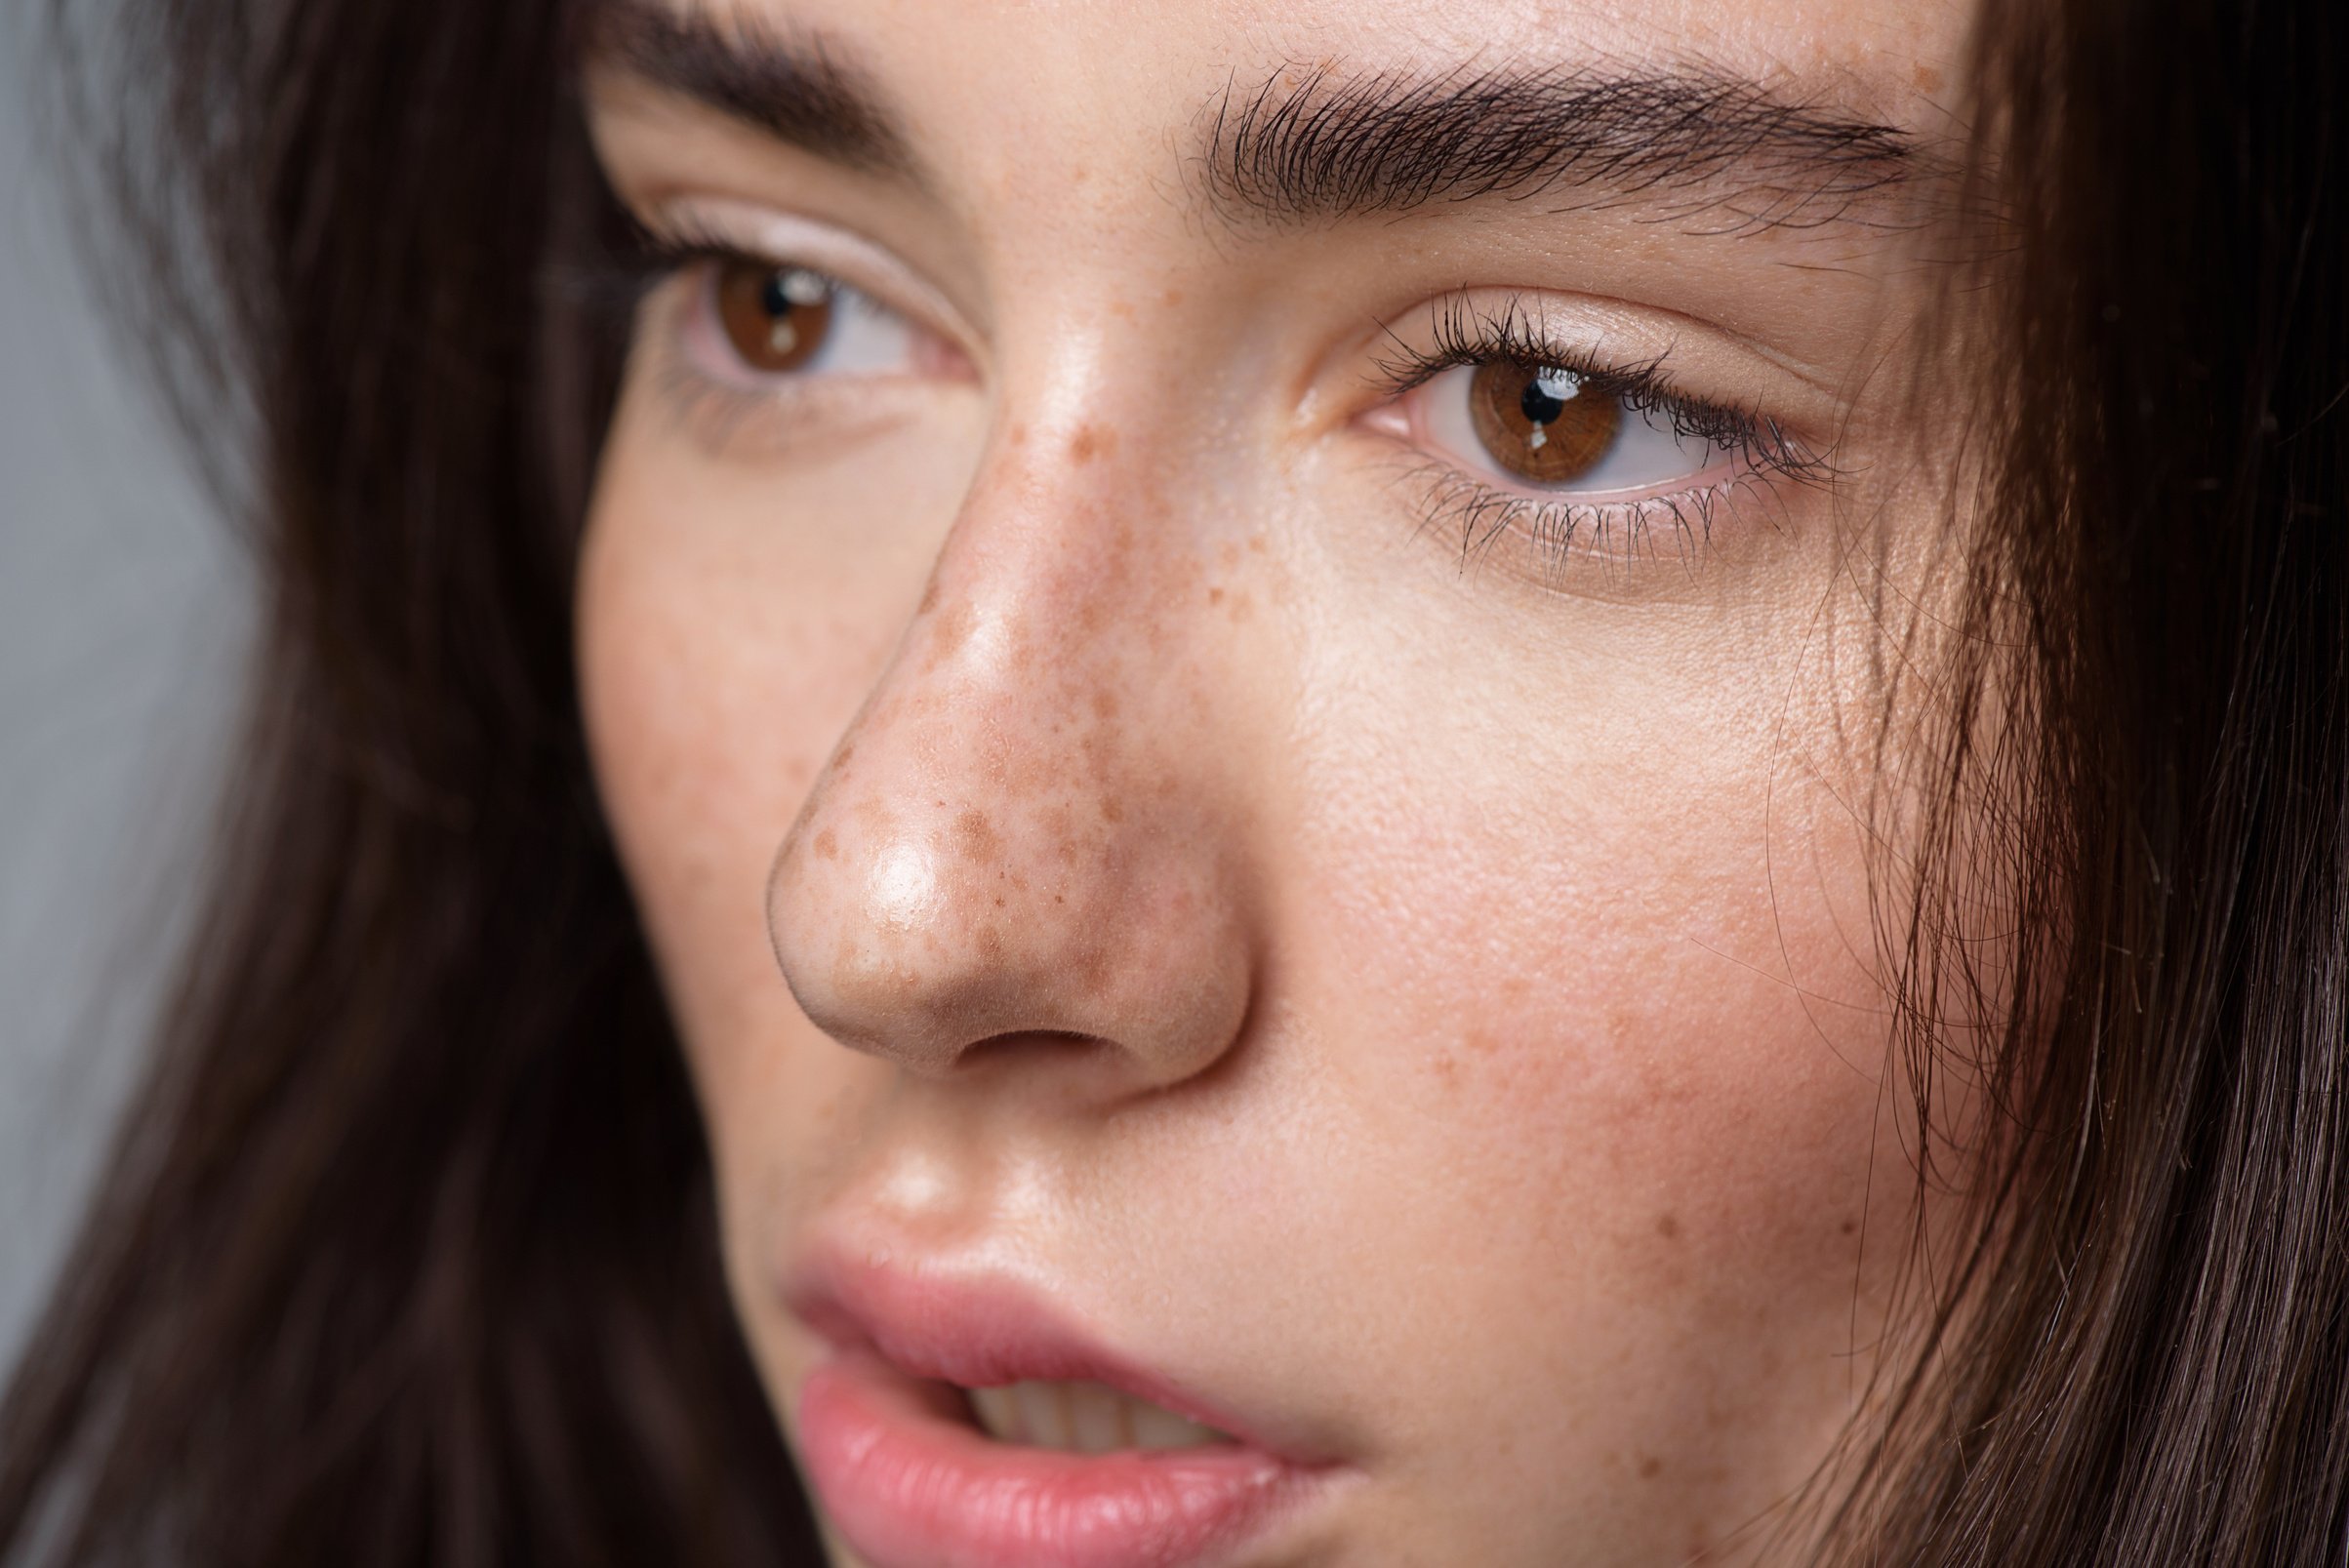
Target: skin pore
(1131,800)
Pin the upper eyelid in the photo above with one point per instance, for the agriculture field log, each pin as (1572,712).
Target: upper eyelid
(857,261)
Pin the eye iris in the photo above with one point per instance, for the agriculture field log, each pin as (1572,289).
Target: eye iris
(774,317)
(1541,423)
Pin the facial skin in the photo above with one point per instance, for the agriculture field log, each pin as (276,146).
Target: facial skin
(1100,829)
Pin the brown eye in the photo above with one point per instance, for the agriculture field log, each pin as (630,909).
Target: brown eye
(1542,423)
(776,318)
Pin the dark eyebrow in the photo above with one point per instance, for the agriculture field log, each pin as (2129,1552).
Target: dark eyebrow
(1314,144)
(797,91)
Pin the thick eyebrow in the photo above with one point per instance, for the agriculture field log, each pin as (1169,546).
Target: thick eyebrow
(1314,144)
(795,90)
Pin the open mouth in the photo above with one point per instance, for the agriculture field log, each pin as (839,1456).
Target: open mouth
(917,1472)
(1083,1417)
(963,1424)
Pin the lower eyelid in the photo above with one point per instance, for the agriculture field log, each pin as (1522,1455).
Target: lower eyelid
(1553,542)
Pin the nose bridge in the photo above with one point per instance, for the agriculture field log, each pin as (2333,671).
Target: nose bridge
(1020,836)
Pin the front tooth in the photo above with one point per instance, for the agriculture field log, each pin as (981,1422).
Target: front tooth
(1044,1413)
(1156,1428)
(998,1413)
(1095,1417)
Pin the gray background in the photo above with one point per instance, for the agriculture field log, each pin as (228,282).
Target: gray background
(123,620)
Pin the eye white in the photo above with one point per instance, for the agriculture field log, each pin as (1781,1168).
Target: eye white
(1647,451)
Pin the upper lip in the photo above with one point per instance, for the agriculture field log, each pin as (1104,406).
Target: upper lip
(977,1332)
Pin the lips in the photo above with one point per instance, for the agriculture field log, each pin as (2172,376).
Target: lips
(910,1479)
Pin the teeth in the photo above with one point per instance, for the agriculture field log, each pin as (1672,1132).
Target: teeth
(1083,1418)
(998,1411)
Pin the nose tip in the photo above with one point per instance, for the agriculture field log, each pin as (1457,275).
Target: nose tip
(979,866)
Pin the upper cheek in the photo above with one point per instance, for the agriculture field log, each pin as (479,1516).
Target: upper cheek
(1598,1032)
(713,685)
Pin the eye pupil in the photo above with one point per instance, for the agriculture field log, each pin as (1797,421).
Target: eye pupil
(1537,422)
(776,318)
(1546,394)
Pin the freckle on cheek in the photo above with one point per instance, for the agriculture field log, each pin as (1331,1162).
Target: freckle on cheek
(828,845)
(978,837)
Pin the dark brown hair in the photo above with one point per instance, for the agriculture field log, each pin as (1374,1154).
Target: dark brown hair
(407,1254)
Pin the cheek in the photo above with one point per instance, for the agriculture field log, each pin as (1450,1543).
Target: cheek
(720,657)
(1607,1037)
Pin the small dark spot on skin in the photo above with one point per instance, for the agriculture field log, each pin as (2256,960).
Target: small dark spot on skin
(1111,810)
(828,845)
(1650,1467)
(952,628)
(1215,595)
(978,836)
(841,758)
(1851,1226)
(1019,435)
(1089,442)
(929,597)
(998,903)
(1669,1228)
(1174,297)
(1480,1043)
(1105,703)
(1928,79)
(1256,543)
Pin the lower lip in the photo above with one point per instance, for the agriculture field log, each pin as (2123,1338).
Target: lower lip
(908,1483)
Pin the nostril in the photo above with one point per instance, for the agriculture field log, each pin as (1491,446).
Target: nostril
(1031,1047)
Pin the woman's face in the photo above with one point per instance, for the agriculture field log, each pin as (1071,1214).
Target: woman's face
(1239,653)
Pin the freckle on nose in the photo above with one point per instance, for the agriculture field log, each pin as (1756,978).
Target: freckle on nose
(952,628)
(978,836)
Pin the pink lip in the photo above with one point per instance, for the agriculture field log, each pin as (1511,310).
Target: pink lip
(910,1482)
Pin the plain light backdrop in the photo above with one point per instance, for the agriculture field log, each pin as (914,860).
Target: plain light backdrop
(124,615)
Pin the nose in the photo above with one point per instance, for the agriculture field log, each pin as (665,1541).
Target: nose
(1030,834)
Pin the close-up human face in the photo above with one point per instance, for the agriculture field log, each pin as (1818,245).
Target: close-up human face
(1243,661)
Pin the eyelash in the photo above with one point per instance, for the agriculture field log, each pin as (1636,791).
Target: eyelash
(1464,332)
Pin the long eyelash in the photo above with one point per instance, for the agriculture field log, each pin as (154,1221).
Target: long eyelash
(1466,334)
(613,278)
